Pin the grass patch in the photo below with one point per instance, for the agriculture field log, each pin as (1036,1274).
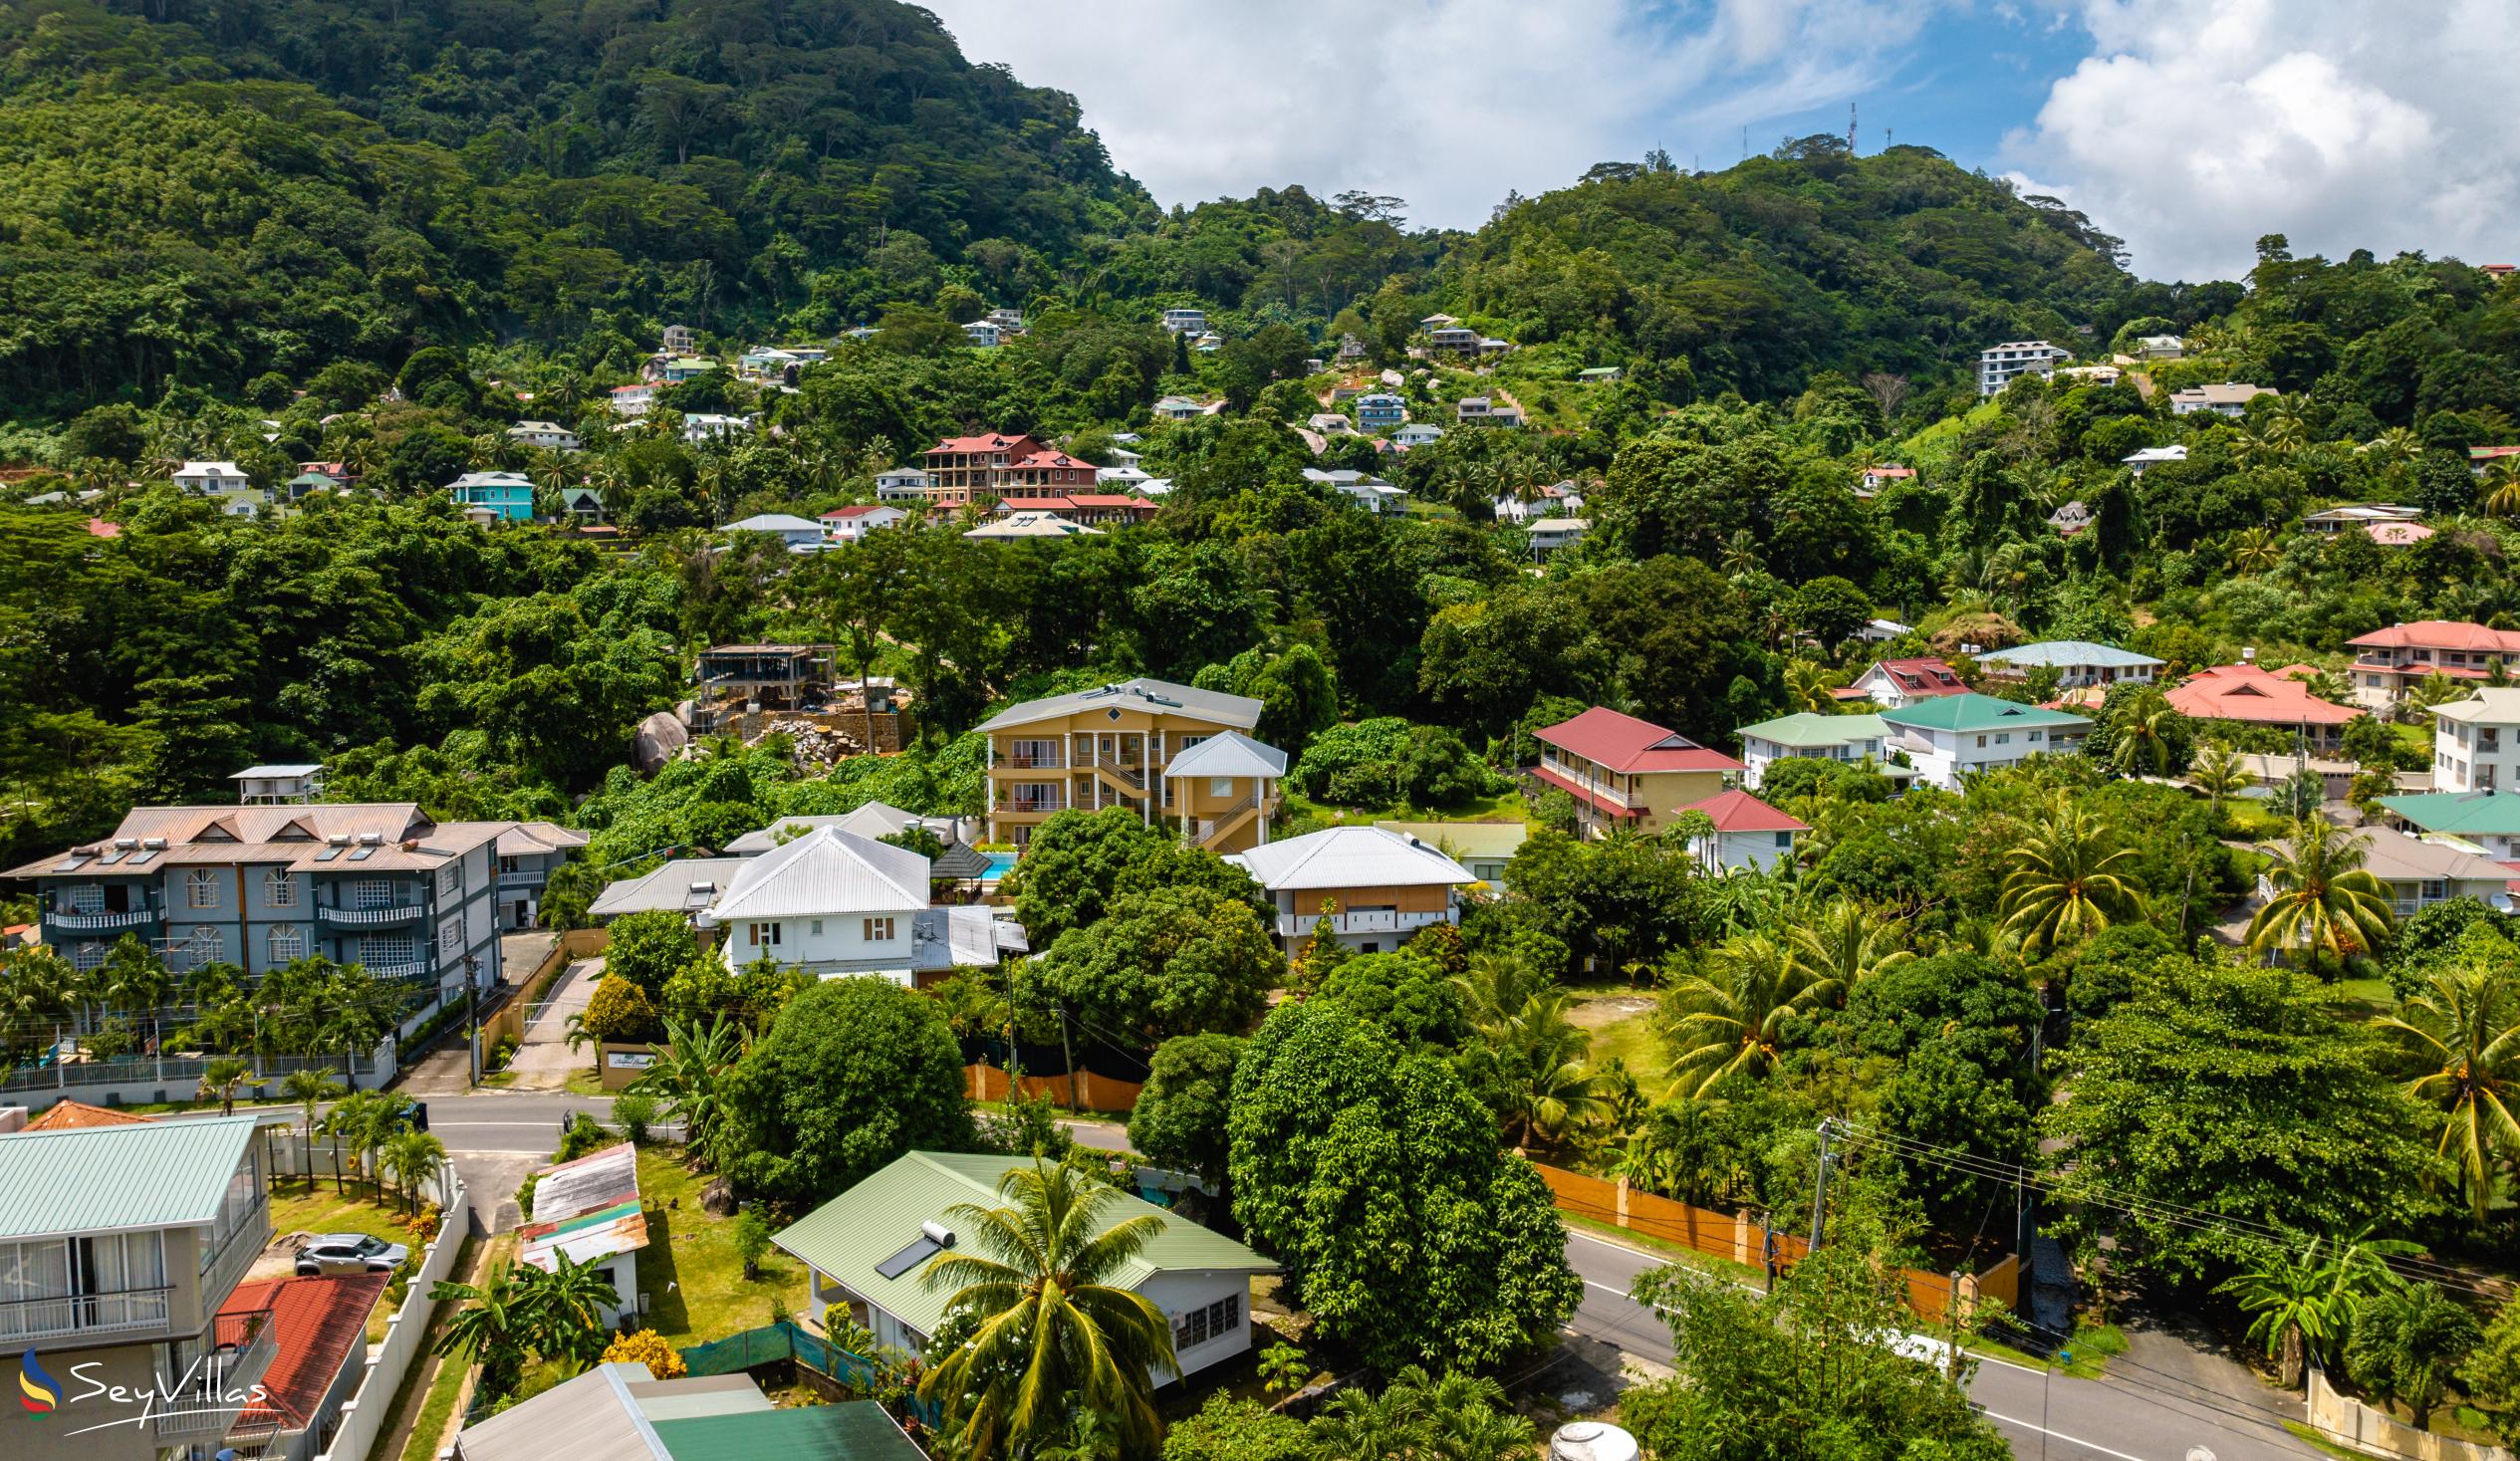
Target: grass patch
(1626,1037)
(586,1080)
(1502,806)
(323,1210)
(1679,1253)
(2347,1453)
(695,1284)
(438,1405)
(2093,1346)
(2367,999)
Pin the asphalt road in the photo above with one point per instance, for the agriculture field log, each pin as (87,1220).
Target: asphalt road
(2129,1414)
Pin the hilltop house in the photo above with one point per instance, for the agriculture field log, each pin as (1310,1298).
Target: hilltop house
(1950,736)
(2388,661)
(700,426)
(1873,479)
(799,534)
(1416,434)
(2485,819)
(1999,365)
(1749,834)
(1033,525)
(507,497)
(2077,662)
(1380,410)
(1891,684)
(1193,322)
(1115,746)
(1626,773)
(544,435)
(1819,737)
(2476,741)
(962,467)
(902,484)
(1486,847)
(632,401)
(1372,890)
(226,481)
(982,334)
(875,821)
(2229,398)
(2252,695)
(851,523)
(1548,534)
(2136,461)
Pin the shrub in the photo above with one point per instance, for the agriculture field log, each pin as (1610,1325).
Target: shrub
(525,1195)
(634,1112)
(647,1346)
(620,1014)
(752,1240)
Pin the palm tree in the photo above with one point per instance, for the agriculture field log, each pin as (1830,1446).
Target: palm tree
(2254,551)
(1731,1020)
(2502,487)
(134,980)
(2303,1305)
(1740,555)
(2397,448)
(2406,1344)
(1849,944)
(1052,1327)
(2464,1030)
(413,1157)
(2218,771)
(1807,687)
(309,1087)
(1542,1056)
(688,1071)
(2065,883)
(490,1329)
(221,1077)
(2323,900)
(367,1120)
(565,1307)
(2143,734)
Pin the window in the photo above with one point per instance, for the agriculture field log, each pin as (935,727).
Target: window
(1210,1322)
(1981,741)
(280,890)
(763,935)
(33,1270)
(90,955)
(1785,842)
(450,939)
(879,930)
(1220,786)
(381,954)
(2435,888)
(2002,738)
(287,944)
(449,877)
(86,898)
(202,889)
(372,892)
(508,866)
(818,928)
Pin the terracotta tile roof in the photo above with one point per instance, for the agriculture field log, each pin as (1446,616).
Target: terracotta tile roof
(64,1115)
(2436,633)
(319,1321)
(1738,811)
(1622,743)
(965,446)
(2248,693)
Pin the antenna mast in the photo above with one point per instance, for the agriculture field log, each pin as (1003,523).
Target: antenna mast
(1850,129)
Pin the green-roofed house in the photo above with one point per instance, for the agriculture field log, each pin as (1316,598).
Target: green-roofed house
(1950,736)
(1817,737)
(620,1412)
(1482,846)
(118,1247)
(2488,818)
(867,1246)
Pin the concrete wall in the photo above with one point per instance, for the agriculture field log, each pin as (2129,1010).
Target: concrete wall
(1093,1093)
(2351,1423)
(368,1411)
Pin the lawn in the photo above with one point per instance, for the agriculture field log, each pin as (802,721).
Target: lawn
(323,1210)
(695,1284)
(1622,1024)
(1502,806)
(2367,999)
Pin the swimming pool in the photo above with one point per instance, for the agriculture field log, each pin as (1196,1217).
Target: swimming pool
(998,863)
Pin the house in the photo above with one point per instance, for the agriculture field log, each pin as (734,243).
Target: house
(1223,788)
(1437,321)
(2476,741)
(686,886)
(1416,434)
(1950,736)
(2229,398)
(226,481)
(1177,408)
(1488,409)
(902,484)
(1033,525)
(2251,695)
(2422,872)
(2072,518)
(1375,496)
(1120,480)
(851,523)
(1452,340)
(2357,516)
(125,1244)
(1113,746)
(1548,534)
(800,535)
(1372,890)
(373,884)
(1873,479)
(2087,375)
(507,496)
(1749,834)
(2077,662)
(868,1249)
(1891,684)
(983,334)
(1380,410)
(672,370)
(1193,322)
(2388,661)
(1007,319)
(582,505)
(1350,350)
(1601,375)
(589,1210)
(2482,457)
(289,783)
(1093,509)
(622,1412)
(1819,737)
(1883,631)
(319,1357)
(832,902)
(680,341)
(1549,500)
(699,427)
(528,853)
(1625,773)
(2161,347)
(632,401)
(544,435)
(875,821)
(309,483)
(1486,847)
(2137,460)
(1999,365)
(962,467)
(1331,423)
(2487,819)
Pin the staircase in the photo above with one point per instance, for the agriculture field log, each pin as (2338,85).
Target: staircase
(1212,830)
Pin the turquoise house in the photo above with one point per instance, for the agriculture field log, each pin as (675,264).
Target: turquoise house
(507,495)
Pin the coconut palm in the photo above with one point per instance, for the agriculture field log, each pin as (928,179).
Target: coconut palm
(1740,554)
(365,1121)
(2218,772)
(1807,686)
(221,1077)
(2502,487)
(1730,1019)
(412,1157)
(2323,901)
(1052,1329)
(309,1089)
(2143,735)
(491,1330)
(1541,1055)
(1494,985)
(2254,551)
(2464,1033)
(1849,944)
(2067,882)
(2406,1344)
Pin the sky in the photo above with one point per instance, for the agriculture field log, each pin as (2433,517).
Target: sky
(2188,127)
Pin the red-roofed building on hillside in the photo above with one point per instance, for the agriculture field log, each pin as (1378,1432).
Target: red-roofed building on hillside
(1047,468)
(1094,509)
(2257,696)
(1894,684)
(1748,834)
(851,523)
(1626,773)
(316,1365)
(2388,661)
(961,467)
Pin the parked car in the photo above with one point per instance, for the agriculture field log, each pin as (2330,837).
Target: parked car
(348,1253)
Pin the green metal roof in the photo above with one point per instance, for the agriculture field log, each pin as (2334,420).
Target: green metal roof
(1808,729)
(1459,840)
(847,1236)
(103,1180)
(2467,813)
(858,1430)
(1975,712)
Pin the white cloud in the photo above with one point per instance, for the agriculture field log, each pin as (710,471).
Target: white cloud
(1447,103)
(2197,125)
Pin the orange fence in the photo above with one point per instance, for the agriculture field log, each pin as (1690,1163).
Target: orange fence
(1738,1237)
(1091,1092)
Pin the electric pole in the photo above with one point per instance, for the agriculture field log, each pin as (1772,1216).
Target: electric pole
(1070,1053)
(1820,1188)
(1952,1360)
(1850,129)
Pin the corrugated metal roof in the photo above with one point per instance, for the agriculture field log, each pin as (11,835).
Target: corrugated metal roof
(858,1430)
(824,873)
(1349,857)
(589,1418)
(587,1208)
(668,888)
(873,820)
(1229,753)
(847,1236)
(101,1179)
(1147,696)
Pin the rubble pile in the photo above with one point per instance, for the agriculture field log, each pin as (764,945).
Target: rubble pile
(818,746)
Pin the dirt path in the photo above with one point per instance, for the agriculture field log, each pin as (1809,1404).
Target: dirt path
(396,1437)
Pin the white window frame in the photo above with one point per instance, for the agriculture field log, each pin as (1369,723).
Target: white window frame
(449,877)
(201,888)
(879,930)
(372,893)
(287,943)
(280,890)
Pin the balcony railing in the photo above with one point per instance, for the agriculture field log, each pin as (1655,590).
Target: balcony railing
(96,923)
(522,880)
(215,1393)
(1363,920)
(230,1264)
(370,917)
(1050,760)
(1030,804)
(122,1312)
(397,971)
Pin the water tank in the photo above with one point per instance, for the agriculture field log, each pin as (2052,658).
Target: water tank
(1592,1440)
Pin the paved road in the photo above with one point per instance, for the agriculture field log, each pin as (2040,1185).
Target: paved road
(2134,1414)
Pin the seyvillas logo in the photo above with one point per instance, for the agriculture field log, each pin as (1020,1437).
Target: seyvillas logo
(37,1391)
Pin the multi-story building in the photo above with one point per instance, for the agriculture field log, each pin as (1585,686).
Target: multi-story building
(962,467)
(1116,745)
(1950,736)
(528,853)
(1373,888)
(2485,819)
(1997,365)
(1455,340)
(121,1246)
(1380,410)
(1811,736)
(2388,661)
(377,884)
(1626,773)
(1891,684)
(2077,662)
(902,484)
(544,435)
(505,496)
(983,334)
(633,402)
(1193,322)
(680,339)
(2476,741)
(832,902)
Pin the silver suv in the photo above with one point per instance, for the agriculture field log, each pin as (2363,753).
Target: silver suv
(350,1253)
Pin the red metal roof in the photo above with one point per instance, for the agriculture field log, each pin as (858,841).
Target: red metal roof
(64,1115)
(1919,676)
(964,445)
(1033,504)
(2249,694)
(317,1320)
(2439,634)
(1046,457)
(855,510)
(1624,744)
(99,527)
(1738,811)
(1121,500)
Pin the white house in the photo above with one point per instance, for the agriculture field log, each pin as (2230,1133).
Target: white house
(2228,398)
(1192,321)
(1806,734)
(1331,423)
(801,534)
(1949,736)
(1120,479)
(868,1248)
(1415,434)
(2160,347)
(1895,682)
(983,334)
(1177,408)
(701,426)
(2135,462)
(2078,662)
(632,401)
(1385,886)
(225,481)
(1033,525)
(1548,534)
(834,902)
(545,435)
(902,484)
(1749,834)
(849,523)
(876,820)
(1998,365)
(2476,742)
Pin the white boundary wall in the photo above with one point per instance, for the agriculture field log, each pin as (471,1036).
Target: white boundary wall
(370,1410)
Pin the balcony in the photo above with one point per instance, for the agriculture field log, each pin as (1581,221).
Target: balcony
(1033,805)
(100,923)
(1050,760)
(523,880)
(206,1400)
(370,917)
(1363,920)
(129,1310)
(232,1262)
(397,971)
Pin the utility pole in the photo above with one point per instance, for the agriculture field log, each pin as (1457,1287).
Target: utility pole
(1065,1049)
(1951,1361)
(1820,1188)
(472,1013)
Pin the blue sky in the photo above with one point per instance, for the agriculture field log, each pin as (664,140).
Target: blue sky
(2187,126)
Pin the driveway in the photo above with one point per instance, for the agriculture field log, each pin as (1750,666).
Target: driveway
(544,1059)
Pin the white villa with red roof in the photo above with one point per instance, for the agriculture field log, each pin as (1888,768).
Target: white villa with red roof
(2388,661)
(1892,684)
(849,524)
(1748,834)
(1626,773)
